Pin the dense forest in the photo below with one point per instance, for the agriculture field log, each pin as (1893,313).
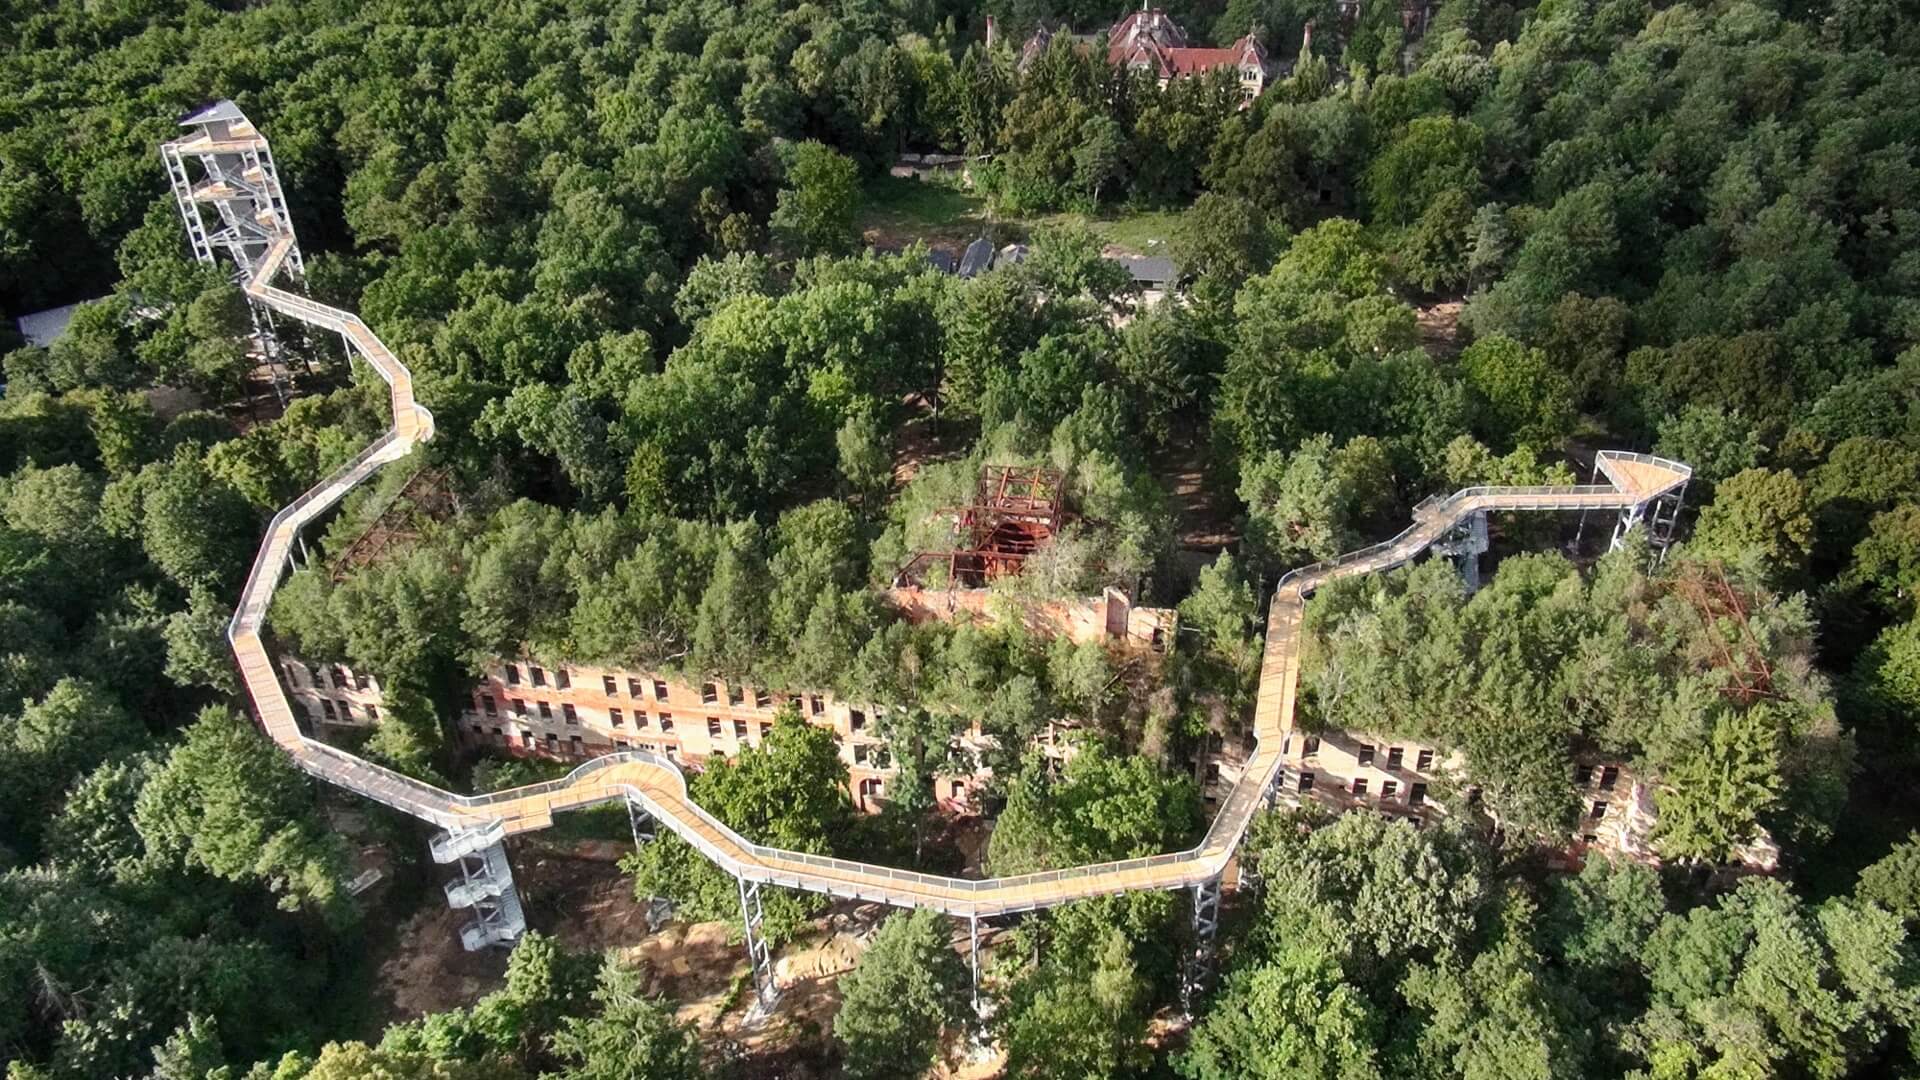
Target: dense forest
(618,242)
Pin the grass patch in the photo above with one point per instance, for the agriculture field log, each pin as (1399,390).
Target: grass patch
(1148,232)
(1145,232)
(899,211)
(905,209)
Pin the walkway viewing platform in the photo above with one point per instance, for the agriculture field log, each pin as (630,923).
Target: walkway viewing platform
(655,784)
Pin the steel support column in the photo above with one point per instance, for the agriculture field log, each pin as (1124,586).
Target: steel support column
(759,953)
(1206,925)
(1581,530)
(1660,524)
(1630,517)
(659,908)
(642,823)
(1464,545)
(973,957)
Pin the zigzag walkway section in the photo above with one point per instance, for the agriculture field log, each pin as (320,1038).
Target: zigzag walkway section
(241,188)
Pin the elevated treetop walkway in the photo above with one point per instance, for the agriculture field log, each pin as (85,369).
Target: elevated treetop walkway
(242,186)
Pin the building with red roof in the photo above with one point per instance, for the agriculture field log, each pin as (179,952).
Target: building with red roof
(1149,40)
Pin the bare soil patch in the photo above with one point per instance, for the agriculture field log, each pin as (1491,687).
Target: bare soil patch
(429,972)
(579,895)
(1204,517)
(925,439)
(1439,329)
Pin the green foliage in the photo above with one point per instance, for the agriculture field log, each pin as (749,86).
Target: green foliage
(52,742)
(816,208)
(408,738)
(1104,806)
(1321,345)
(631,1038)
(196,529)
(1762,978)
(1164,361)
(1223,240)
(1297,1016)
(1719,790)
(1434,252)
(197,650)
(227,801)
(1717,442)
(1499,1015)
(1080,1017)
(1431,156)
(1222,610)
(1316,502)
(907,987)
(1727,192)
(1761,513)
(93,835)
(1541,660)
(790,792)
(1894,881)
(1523,399)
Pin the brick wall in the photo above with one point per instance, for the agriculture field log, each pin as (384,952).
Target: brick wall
(333,695)
(576,712)
(1110,617)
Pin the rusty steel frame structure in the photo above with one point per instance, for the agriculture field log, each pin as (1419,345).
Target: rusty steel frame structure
(1713,598)
(1016,510)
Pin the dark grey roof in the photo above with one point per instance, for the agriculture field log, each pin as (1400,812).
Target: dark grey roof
(218,110)
(1150,269)
(978,258)
(42,327)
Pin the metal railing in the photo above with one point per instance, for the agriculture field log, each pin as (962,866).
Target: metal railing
(263,576)
(532,806)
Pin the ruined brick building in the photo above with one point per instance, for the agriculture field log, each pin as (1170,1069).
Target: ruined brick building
(573,712)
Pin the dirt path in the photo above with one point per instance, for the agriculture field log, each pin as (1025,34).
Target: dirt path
(1204,518)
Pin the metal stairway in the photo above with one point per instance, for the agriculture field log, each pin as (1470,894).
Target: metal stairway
(485,884)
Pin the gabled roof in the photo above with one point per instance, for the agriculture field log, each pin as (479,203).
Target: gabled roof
(1189,61)
(214,111)
(1171,61)
(1149,269)
(1150,23)
(977,259)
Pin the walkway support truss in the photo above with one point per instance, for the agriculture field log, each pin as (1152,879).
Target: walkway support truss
(1206,927)
(1464,545)
(258,236)
(759,952)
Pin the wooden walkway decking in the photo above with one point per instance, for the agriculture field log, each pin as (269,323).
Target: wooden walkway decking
(658,785)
